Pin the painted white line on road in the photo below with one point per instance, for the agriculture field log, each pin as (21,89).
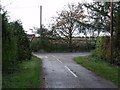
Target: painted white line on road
(71,72)
(57,59)
(46,56)
(53,56)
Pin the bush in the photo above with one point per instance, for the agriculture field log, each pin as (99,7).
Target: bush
(35,45)
(103,50)
(9,48)
(117,39)
(23,43)
(15,45)
(102,47)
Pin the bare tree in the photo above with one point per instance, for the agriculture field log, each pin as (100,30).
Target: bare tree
(65,25)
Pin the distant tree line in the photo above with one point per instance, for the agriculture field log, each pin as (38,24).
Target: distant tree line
(84,18)
(15,44)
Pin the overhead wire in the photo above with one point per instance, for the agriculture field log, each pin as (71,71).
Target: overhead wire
(7,6)
(23,7)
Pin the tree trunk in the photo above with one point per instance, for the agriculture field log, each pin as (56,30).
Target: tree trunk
(70,40)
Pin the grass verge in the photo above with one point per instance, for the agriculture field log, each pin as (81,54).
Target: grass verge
(27,76)
(100,67)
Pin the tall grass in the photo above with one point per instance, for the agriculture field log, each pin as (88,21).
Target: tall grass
(27,76)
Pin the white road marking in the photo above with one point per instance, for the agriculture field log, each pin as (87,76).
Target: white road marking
(46,56)
(53,55)
(66,67)
(57,59)
(71,72)
(41,56)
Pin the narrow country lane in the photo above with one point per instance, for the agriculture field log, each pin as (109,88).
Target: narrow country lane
(62,72)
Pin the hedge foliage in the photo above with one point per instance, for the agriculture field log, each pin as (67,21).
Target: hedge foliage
(103,45)
(15,44)
(58,45)
(117,38)
(103,49)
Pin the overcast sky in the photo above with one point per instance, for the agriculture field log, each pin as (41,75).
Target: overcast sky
(28,11)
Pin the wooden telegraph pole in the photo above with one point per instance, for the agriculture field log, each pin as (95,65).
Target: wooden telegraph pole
(40,17)
(111,31)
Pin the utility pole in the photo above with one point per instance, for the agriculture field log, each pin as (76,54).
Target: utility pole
(40,17)
(111,31)
(41,29)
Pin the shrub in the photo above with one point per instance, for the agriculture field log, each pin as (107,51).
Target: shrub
(102,47)
(15,45)
(103,50)
(23,43)
(9,48)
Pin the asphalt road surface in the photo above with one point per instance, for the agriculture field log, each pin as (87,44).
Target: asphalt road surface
(60,71)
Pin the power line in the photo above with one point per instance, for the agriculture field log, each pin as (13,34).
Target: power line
(23,7)
(8,6)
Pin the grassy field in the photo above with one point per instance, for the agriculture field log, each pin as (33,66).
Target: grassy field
(100,67)
(28,75)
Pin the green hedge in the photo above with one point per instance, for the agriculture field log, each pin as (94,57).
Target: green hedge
(15,44)
(103,49)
